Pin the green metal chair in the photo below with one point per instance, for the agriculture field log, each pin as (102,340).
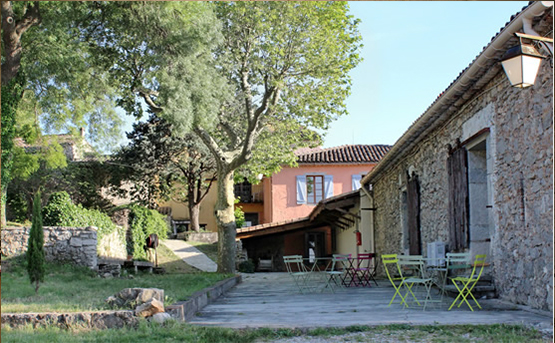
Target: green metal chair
(391,261)
(453,262)
(298,271)
(337,271)
(465,284)
(415,263)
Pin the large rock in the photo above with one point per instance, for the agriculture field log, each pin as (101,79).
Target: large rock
(161,318)
(149,308)
(129,298)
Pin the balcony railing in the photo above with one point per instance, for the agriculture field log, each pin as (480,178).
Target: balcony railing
(247,193)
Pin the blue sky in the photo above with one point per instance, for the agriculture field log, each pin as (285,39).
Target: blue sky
(412,52)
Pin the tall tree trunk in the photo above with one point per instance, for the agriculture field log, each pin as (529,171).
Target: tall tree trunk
(194,213)
(225,219)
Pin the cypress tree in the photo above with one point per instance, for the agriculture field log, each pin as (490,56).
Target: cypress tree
(35,248)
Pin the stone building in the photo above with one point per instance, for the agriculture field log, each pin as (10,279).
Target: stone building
(475,171)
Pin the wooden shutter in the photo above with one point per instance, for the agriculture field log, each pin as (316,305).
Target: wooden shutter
(413,214)
(457,166)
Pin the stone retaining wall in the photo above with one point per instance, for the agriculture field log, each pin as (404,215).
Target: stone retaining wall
(185,310)
(61,244)
(96,320)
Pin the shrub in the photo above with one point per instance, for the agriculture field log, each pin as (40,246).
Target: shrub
(61,211)
(36,263)
(246,267)
(142,223)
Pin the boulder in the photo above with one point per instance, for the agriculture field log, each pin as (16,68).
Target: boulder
(129,298)
(161,317)
(149,308)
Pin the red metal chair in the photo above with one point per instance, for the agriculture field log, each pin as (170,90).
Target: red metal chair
(365,269)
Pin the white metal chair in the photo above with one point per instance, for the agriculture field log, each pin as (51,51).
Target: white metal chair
(416,264)
(298,271)
(337,271)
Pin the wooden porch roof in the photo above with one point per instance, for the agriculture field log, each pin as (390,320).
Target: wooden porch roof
(333,212)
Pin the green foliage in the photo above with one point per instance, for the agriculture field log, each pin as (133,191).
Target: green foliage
(166,165)
(246,267)
(61,211)
(36,262)
(11,96)
(66,89)
(239,215)
(83,181)
(142,223)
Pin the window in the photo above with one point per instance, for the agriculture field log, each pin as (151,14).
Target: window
(314,188)
(355,181)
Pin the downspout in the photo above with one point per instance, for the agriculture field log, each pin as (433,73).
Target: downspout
(527,23)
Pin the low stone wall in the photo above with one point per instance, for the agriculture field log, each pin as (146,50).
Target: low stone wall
(185,310)
(205,237)
(96,320)
(61,244)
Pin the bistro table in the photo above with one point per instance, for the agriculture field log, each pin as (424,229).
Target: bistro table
(357,274)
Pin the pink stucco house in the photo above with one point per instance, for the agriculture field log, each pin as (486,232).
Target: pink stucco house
(299,208)
(321,173)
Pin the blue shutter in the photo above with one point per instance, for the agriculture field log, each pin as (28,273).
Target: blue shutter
(301,189)
(328,186)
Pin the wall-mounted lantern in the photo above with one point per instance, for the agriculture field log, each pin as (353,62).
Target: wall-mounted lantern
(522,62)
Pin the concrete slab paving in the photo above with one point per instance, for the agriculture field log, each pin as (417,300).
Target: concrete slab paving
(272,300)
(190,255)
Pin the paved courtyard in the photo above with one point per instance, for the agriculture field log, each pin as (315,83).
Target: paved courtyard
(272,300)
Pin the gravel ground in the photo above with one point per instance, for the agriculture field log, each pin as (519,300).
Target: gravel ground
(387,336)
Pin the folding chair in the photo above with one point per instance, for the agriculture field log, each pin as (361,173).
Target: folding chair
(453,262)
(415,263)
(391,260)
(364,270)
(465,285)
(337,271)
(298,271)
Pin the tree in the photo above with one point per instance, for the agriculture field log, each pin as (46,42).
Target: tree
(178,167)
(289,64)
(278,71)
(49,78)
(35,247)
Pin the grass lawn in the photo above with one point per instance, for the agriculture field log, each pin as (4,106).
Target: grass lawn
(210,250)
(73,289)
(181,332)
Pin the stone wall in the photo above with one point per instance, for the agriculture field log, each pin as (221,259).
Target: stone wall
(519,191)
(61,244)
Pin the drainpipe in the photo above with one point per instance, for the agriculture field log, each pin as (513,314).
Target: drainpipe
(527,22)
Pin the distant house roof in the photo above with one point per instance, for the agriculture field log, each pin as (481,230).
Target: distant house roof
(343,154)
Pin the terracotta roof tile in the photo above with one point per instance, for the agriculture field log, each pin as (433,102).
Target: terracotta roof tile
(343,154)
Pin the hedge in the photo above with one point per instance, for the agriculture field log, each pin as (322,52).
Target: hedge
(142,223)
(61,211)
